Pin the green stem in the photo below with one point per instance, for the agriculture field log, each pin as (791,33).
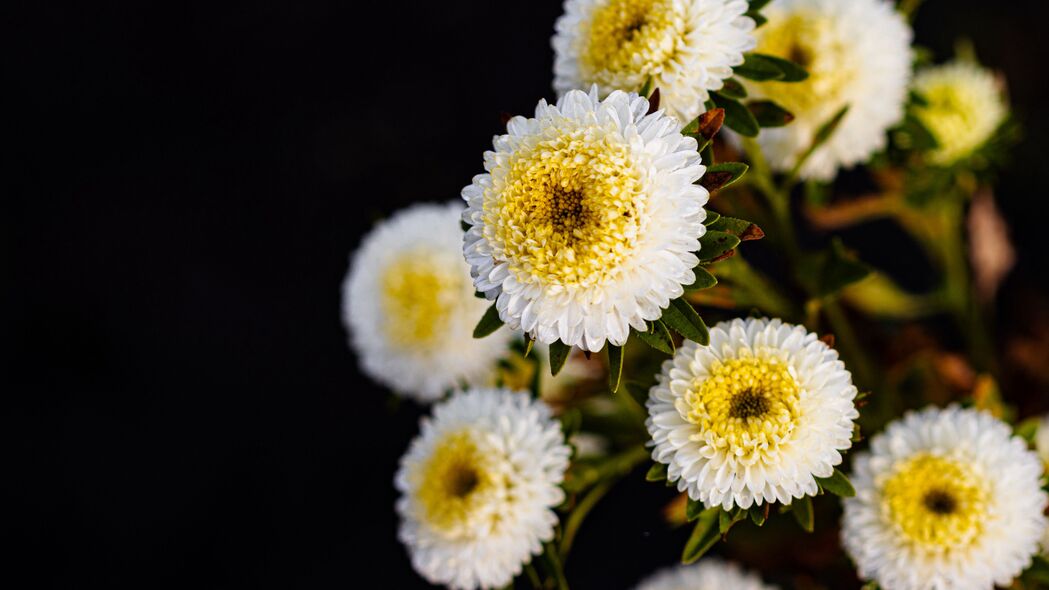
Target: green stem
(553,562)
(533,576)
(575,519)
(848,343)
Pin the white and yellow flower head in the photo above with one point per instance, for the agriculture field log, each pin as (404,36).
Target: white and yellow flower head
(966,105)
(478,487)
(409,305)
(946,498)
(708,574)
(754,416)
(687,47)
(857,53)
(587,219)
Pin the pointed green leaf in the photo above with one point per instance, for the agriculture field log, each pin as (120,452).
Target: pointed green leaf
(684,320)
(792,72)
(712,216)
(704,127)
(722,175)
(724,522)
(704,280)
(757,67)
(658,472)
(759,514)
(758,4)
(558,355)
(828,128)
(465,226)
(657,336)
(770,114)
(802,510)
(741,228)
(716,244)
(758,18)
(733,88)
(838,484)
(615,365)
(646,88)
(737,117)
(703,537)
(489,323)
(693,509)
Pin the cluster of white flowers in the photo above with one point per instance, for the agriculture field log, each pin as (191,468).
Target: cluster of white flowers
(588,222)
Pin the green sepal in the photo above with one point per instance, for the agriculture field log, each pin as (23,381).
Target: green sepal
(704,535)
(684,320)
(802,510)
(657,472)
(657,336)
(727,519)
(558,355)
(758,18)
(704,280)
(489,323)
(465,226)
(716,244)
(838,484)
(737,117)
(759,514)
(615,365)
(758,4)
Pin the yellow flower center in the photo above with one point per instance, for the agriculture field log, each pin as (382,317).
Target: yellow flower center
(629,40)
(746,407)
(566,209)
(418,296)
(936,503)
(963,111)
(453,485)
(810,40)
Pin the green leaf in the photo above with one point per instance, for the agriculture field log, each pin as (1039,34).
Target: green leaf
(759,514)
(758,4)
(913,134)
(792,72)
(489,323)
(838,484)
(646,88)
(724,522)
(703,537)
(657,336)
(658,472)
(719,176)
(479,295)
(832,270)
(716,244)
(770,114)
(741,228)
(615,365)
(693,509)
(733,88)
(757,67)
(803,513)
(758,18)
(828,128)
(465,226)
(704,127)
(1028,428)
(558,355)
(704,280)
(571,421)
(737,117)
(684,320)
(712,216)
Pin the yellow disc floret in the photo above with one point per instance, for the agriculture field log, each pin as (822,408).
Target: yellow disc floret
(453,484)
(937,503)
(629,40)
(566,209)
(964,107)
(746,407)
(418,295)
(810,40)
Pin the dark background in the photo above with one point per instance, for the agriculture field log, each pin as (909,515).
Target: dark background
(186,182)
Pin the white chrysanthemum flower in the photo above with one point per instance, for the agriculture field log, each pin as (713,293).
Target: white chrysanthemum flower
(708,574)
(754,416)
(857,53)
(478,487)
(687,47)
(945,499)
(587,221)
(409,305)
(965,107)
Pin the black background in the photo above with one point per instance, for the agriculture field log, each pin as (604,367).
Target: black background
(185,184)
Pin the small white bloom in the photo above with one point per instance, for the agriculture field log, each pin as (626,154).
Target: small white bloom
(965,107)
(754,416)
(708,574)
(687,47)
(945,499)
(587,219)
(857,53)
(409,306)
(478,487)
